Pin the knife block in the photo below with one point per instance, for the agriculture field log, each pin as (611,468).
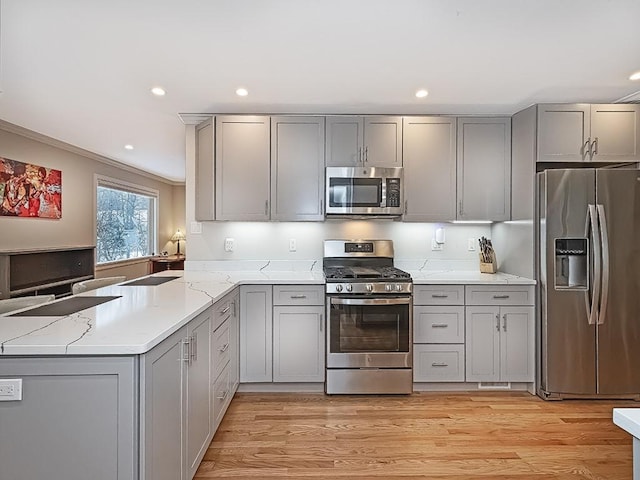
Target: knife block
(489,267)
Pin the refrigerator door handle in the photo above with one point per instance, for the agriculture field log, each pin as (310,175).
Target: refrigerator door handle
(592,231)
(604,236)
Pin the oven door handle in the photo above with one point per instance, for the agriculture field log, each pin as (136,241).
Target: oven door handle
(371,301)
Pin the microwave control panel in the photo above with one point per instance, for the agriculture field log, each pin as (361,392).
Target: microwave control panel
(393,192)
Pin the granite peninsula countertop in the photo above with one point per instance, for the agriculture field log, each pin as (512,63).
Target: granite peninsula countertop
(143,316)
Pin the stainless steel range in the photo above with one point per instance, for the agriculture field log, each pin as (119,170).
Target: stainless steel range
(369,319)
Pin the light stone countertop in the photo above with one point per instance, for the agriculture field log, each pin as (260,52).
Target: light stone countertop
(145,315)
(628,419)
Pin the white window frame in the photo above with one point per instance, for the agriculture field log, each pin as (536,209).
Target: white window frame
(118,184)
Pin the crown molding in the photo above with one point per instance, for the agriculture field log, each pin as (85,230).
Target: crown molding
(39,137)
(194,118)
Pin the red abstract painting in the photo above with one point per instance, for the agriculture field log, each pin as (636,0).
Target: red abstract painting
(28,190)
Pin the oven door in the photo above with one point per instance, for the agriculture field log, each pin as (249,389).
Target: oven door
(352,194)
(369,332)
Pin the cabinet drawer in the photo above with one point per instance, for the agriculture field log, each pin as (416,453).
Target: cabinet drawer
(438,363)
(223,309)
(298,295)
(438,324)
(221,348)
(500,294)
(438,295)
(221,395)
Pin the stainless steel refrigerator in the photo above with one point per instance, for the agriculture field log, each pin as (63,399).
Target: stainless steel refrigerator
(588,267)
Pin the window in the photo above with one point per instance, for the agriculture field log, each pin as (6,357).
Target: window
(125,220)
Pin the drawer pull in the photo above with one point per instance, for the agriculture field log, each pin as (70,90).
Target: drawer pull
(439,325)
(500,296)
(224,348)
(225,310)
(224,395)
(439,295)
(439,364)
(298,296)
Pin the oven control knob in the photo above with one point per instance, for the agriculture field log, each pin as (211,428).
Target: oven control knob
(338,288)
(398,287)
(349,287)
(388,287)
(369,287)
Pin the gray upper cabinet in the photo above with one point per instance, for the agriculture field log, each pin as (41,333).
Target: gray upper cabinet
(429,157)
(297,168)
(242,167)
(205,141)
(374,141)
(484,168)
(583,132)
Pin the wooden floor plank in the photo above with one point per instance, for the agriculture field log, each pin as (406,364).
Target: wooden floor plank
(435,436)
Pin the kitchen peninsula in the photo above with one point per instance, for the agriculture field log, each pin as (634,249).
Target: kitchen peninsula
(135,388)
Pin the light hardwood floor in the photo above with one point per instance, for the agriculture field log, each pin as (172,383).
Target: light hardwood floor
(446,436)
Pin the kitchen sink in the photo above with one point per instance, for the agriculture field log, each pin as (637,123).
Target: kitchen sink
(64,307)
(148,281)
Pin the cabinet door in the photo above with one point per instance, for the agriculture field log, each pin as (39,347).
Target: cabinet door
(563,130)
(162,400)
(297,168)
(517,343)
(438,363)
(344,141)
(438,324)
(615,129)
(482,344)
(198,402)
(429,159)
(484,169)
(256,333)
(242,168)
(204,191)
(298,344)
(383,141)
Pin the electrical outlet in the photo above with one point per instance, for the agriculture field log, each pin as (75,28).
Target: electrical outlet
(435,246)
(196,227)
(228,244)
(471,244)
(10,389)
(292,245)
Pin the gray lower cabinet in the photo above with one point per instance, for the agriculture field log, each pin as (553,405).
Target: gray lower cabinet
(256,333)
(175,396)
(242,167)
(297,168)
(484,168)
(429,160)
(499,334)
(77,419)
(438,333)
(282,333)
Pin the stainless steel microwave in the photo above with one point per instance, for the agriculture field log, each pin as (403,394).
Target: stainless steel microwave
(364,191)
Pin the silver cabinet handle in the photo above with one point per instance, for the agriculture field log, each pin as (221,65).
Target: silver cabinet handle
(594,146)
(439,295)
(366,154)
(586,148)
(224,395)
(498,322)
(194,348)
(439,325)
(406,207)
(500,297)
(225,310)
(504,322)
(460,207)
(321,321)
(439,364)
(266,207)
(360,156)
(186,355)
(223,348)
(298,296)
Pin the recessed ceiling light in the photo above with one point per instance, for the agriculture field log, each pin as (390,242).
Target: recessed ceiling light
(421,93)
(635,76)
(242,92)
(158,91)
(128,147)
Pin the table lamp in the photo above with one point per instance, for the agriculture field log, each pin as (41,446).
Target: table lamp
(176,238)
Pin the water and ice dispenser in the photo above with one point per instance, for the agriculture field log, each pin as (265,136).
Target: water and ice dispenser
(572,260)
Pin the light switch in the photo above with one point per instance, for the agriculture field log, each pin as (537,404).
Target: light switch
(292,245)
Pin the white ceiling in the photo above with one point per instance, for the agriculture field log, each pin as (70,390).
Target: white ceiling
(81,71)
